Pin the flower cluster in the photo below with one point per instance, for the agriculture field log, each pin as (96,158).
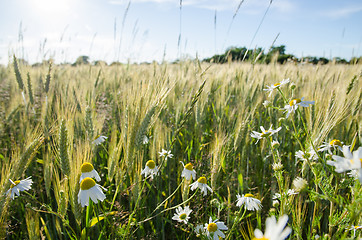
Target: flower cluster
(89,189)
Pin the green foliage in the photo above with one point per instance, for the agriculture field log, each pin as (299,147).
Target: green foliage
(204,114)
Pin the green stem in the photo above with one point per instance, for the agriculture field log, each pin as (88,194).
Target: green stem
(135,208)
(170,208)
(87,216)
(236,222)
(168,197)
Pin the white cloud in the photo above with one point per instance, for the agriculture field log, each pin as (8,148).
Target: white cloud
(342,12)
(248,6)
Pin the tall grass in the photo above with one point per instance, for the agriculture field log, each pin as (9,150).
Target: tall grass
(204,115)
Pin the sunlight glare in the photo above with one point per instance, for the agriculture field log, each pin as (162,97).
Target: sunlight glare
(51,7)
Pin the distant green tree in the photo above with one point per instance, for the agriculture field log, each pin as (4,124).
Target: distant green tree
(81,60)
(277,49)
(100,63)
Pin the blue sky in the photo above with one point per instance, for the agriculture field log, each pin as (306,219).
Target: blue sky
(146,30)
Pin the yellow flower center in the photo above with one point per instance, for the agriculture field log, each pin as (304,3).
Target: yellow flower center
(86,167)
(262,238)
(87,183)
(151,164)
(335,142)
(16,183)
(202,180)
(97,137)
(212,227)
(189,166)
(359,160)
(248,195)
(295,101)
(277,84)
(183,216)
(265,134)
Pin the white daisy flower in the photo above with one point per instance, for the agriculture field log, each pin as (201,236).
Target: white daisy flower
(274,230)
(89,189)
(276,196)
(145,140)
(275,144)
(19,185)
(166,154)
(99,139)
(200,230)
(328,146)
(150,169)
(354,174)
(354,228)
(267,104)
(270,88)
(188,171)
(213,229)
(201,183)
(251,203)
(299,184)
(291,192)
(348,162)
(264,133)
(88,170)
(304,156)
(294,104)
(182,215)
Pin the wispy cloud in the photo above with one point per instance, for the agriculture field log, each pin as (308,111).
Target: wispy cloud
(248,7)
(124,2)
(342,12)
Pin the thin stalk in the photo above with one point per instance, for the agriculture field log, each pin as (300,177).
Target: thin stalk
(236,222)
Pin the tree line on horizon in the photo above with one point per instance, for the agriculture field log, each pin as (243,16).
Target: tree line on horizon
(232,54)
(275,54)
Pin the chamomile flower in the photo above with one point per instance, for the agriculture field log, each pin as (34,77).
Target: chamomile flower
(294,104)
(202,184)
(264,133)
(348,162)
(270,88)
(88,170)
(328,146)
(276,196)
(275,144)
(188,171)
(182,215)
(19,185)
(99,139)
(90,189)
(305,156)
(150,169)
(274,230)
(166,154)
(251,203)
(213,229)
(354,174)
(354,228)
(292,192)
(200,230)
(267,104)
(145,140)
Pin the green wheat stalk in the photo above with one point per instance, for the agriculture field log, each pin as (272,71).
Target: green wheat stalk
(63,148)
